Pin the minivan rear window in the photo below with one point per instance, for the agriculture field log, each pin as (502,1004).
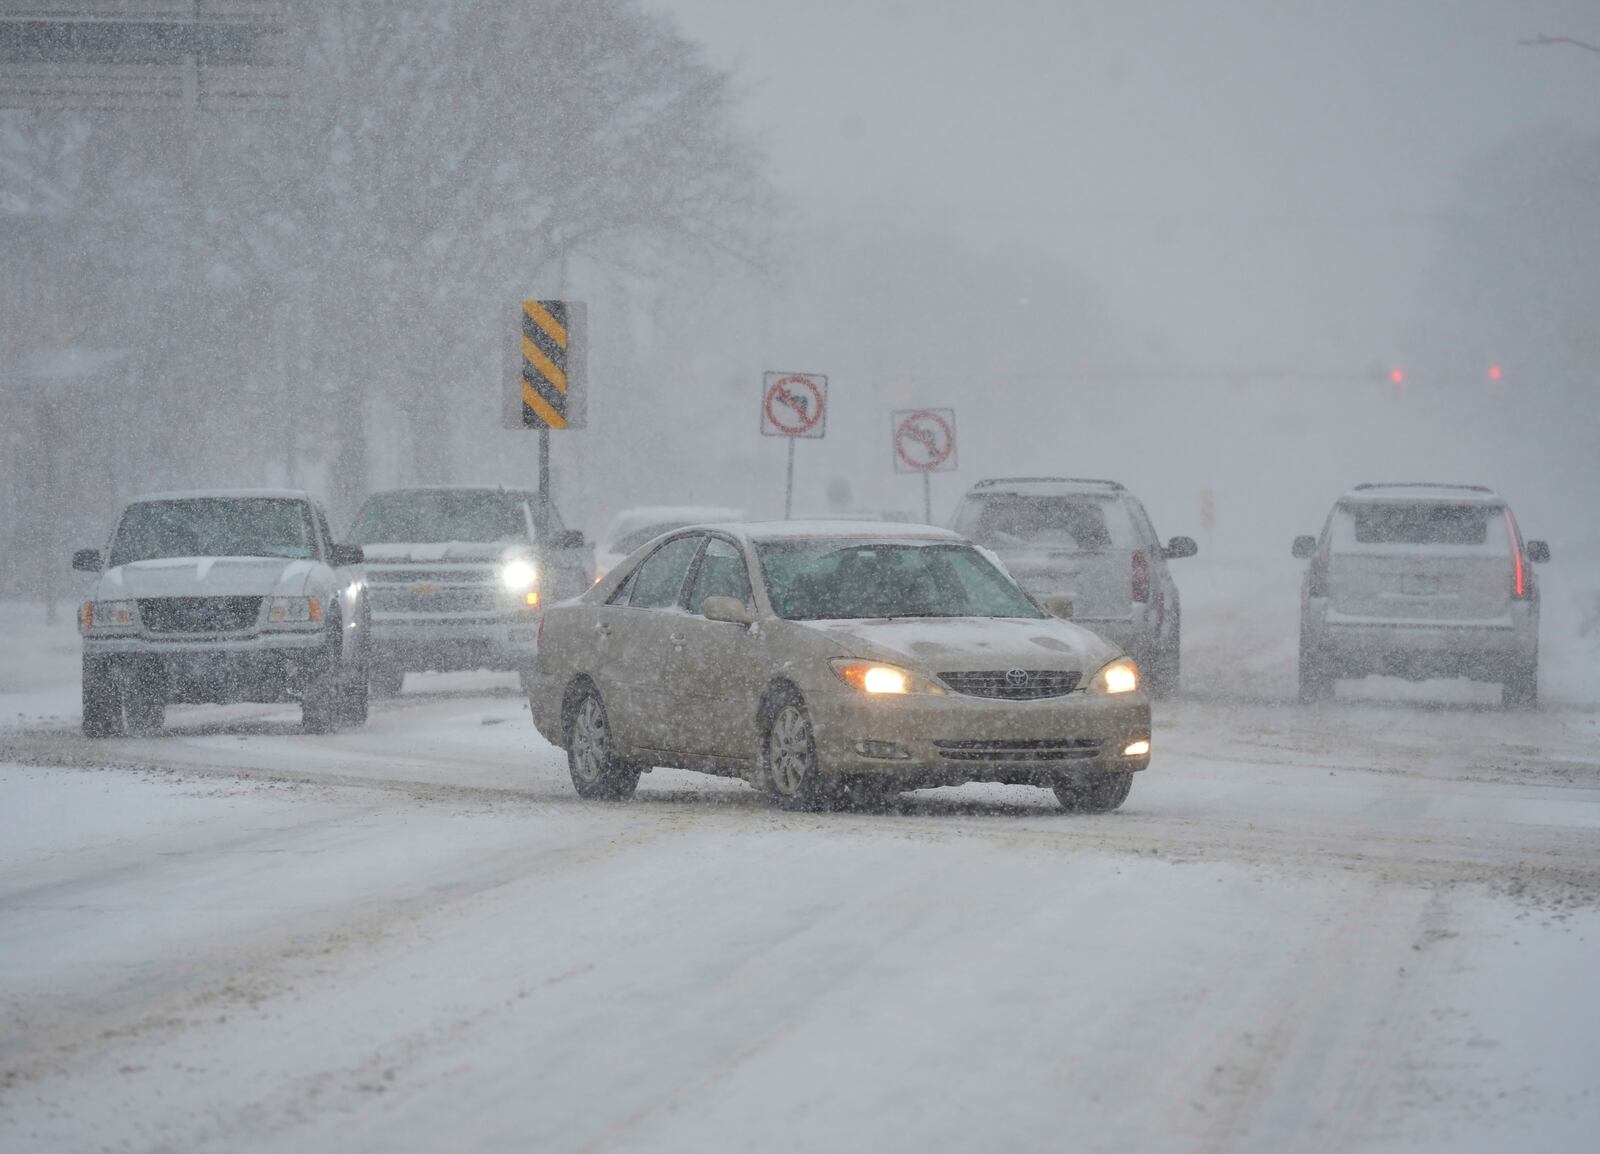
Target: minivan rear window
(1421,523)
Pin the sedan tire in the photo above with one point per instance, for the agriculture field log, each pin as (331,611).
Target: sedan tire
(789,755)
(1093,793)
(598,772)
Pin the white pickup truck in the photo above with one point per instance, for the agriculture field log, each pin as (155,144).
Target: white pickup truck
(222,596)
(460,576)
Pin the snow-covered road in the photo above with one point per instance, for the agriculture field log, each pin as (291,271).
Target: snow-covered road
(1368,926)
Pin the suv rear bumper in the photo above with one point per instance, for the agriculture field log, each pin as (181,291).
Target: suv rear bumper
(1357,648)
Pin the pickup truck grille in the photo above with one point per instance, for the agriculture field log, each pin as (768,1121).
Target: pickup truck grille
(1013,684)
(439,599)
(198,614)
(469,574)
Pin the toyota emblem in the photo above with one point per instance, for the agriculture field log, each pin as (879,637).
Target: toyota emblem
(1017,677)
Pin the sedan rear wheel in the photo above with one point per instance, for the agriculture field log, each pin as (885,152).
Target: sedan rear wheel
(597,771)
(790,752)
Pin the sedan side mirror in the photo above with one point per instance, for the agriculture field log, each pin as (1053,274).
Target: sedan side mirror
(342,555)
(1180,547)
(88,560)
(570,539)
(1538,552)
(1058,607)
(1305,547)
(729,609)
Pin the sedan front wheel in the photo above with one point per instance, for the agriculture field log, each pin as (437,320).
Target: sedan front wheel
(790,752)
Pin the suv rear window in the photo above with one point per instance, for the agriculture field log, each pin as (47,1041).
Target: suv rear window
(1419,523)
(1018,521)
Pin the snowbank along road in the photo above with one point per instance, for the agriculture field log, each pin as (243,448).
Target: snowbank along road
(1365,926)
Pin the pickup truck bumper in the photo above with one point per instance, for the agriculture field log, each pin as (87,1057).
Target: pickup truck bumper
(196,670)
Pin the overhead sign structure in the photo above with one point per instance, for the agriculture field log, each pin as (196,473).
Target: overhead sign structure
(794,405)
(548,369)
(924,440)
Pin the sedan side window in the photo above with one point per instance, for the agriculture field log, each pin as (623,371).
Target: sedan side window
(659,582)
(722,573)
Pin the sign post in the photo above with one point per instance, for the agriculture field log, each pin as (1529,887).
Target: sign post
(793,405)
(924,441)
(546,380)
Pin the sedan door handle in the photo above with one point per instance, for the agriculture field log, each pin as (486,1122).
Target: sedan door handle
(602,627)
(676,638)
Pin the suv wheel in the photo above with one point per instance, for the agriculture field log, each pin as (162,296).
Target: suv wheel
(1520,690)
(102,698)
(1315,683)
(1165,666)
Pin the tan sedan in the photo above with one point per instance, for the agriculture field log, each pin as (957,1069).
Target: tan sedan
(820,661)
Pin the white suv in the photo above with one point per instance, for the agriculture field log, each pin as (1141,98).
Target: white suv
(1420,581)
(1092,543)
(231,595)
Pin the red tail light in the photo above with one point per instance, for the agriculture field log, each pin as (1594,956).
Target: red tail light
(1519,567)
(1141,576)
(1317,576)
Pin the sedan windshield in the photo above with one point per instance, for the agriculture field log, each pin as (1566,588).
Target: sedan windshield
(213,527)
(432,518)
(814,580)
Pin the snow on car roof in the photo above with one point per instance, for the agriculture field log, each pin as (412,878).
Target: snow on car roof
(861,530)
(1048,486)
(516,489)
(197,494)
(1423,491)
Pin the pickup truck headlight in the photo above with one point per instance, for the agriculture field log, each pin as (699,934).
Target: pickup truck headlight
(518,576)
(1120,676)
(102,615)
(294,611)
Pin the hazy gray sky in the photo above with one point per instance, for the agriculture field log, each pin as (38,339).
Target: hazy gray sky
(1254,180)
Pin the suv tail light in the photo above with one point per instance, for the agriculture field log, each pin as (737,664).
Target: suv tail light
(1141,576)
(1317,575)
(1519,566)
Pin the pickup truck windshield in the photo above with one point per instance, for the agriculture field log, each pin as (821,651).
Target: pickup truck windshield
(213,527)
(833,579)
(431,518)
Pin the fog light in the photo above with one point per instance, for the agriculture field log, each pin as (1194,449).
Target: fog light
(530,598)
(1137,749)
(884,750)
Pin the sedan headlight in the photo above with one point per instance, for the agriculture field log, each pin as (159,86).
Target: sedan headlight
(874,677)
(518,576)
(294,610)
(106,615)
(1120,676)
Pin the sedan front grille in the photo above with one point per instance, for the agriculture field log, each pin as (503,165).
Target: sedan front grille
(1044,749)
(1014,684)
(199,614)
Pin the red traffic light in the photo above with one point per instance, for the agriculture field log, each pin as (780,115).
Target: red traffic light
(1495,373)
(1397,376)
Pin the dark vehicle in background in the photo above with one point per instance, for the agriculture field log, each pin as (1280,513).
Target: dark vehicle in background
(1420,580)
(459,575)
(1090,542)
(222,596)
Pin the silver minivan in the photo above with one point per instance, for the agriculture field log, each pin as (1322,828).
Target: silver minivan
(1420,581)
(1090,542)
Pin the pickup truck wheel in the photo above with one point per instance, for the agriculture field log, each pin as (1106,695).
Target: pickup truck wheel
(102,698)
(319,699)
(144,696)
(1093,793)
(354,697)
(387,680)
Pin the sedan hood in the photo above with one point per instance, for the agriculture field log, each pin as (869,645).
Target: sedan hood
(205,577)
(972,643)
(414,553)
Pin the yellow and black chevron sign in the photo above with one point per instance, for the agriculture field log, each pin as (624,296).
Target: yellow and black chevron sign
(545,385)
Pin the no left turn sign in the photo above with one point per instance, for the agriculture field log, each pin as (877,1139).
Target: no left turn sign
(794,405)
(924,440)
